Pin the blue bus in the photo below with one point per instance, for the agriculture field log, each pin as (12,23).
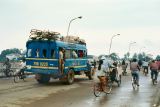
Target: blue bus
(43,59)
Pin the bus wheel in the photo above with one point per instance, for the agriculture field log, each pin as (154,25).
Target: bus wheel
(42,78)
(70,77)
(91,74)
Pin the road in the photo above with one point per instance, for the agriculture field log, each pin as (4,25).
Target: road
(80,94)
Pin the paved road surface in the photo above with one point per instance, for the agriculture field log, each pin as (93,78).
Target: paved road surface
(55,94)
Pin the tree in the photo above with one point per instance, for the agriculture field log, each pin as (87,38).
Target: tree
(114,56)
(128,54)
(148,58)
(135,56)
(7,52)
(125,56)
(158,57)
(141,56)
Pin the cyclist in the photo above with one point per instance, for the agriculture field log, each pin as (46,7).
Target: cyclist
(135,70)
(124,66)
(94,64)
(8,66)
(145,66)
(101,74)
(114,72)
(22,68)
(154,70)
(158,63)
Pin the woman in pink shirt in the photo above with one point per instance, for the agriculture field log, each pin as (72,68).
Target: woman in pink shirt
(154,70)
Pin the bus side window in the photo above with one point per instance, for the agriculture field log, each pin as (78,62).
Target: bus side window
(29,53)
(74,54)
(52,53)
(80,53)
(37,53)
(67,54)
(44,53)
(84,53)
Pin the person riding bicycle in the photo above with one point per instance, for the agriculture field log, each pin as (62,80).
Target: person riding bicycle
(22,68)
(124,66)
(8,66)
(114,72)
(102,74)
(154,70)
(145,66)
(134,67)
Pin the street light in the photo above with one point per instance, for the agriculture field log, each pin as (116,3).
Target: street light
(80,17)
(111,42)
(130,48)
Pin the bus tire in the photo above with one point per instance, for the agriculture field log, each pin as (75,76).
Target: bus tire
(91,74)
(70,77)
(42,78)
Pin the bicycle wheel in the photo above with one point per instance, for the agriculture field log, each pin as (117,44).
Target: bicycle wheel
(16,78)
(119,81)
(153,81)
(11,73)
(23,76)
(109,87)
(134,84)
(97,89)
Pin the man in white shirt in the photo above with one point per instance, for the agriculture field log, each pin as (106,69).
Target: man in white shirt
(145,66)
(22,68)
(105,62)
(61,59)
(74,54)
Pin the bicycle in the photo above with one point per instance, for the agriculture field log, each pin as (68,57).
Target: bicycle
(115,76)
(98,86)
(20,75)
(145,70)
(154,81)
(124,68)
(135,81)
(7,72)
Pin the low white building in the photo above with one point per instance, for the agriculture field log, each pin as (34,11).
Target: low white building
(13,56)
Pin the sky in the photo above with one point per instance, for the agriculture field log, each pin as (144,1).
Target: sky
(135,20)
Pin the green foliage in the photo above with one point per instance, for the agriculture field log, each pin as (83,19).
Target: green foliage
(128,54)
(141,56)
(158,57)
(125,56)
(7,52)
(135,56)
(114,56)
(148,58)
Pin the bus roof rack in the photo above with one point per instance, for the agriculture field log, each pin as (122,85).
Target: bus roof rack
(39,34)
(36,34)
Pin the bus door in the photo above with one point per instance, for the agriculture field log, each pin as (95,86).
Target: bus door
(53,60)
